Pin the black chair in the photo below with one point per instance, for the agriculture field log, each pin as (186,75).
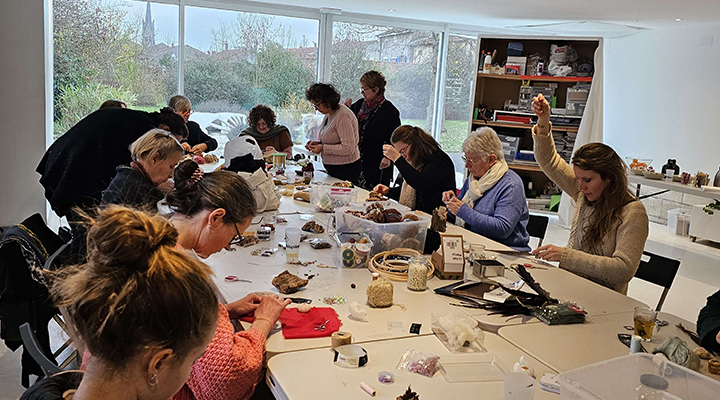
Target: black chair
(537,226)
(31,345)
(660,271)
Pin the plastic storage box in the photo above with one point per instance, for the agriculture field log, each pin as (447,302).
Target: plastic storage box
(350,253)
(385,236)
(617,379)
(327,198)
(678,222)
(510,146)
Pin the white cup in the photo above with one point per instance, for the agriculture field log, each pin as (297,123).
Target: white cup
(292,242)
(519,386)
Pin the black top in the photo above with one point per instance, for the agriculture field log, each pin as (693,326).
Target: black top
(433,178)
(197,136)
(132,188)
(708,324)
(375,131)
(81,163)
(53,387)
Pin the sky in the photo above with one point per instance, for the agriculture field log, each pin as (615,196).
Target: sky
(200,21)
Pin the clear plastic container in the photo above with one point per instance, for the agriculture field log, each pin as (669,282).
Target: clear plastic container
(352,251)
(618,379)
(678,222)
(385,236)
(484,368)
(328,198)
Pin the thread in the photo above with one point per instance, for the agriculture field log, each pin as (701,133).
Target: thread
(340,338)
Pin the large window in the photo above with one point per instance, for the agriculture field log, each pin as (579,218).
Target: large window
(407,58)
(235,60)
(123,50)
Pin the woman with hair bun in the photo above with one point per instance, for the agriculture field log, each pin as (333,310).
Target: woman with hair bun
(210,209)
(123,304)
(610,225)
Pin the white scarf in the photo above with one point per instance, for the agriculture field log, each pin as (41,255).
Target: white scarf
(477,187)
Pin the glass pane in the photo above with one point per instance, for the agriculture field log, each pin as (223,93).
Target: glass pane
(407,58)
(120,49)
(235,60)
(461,70)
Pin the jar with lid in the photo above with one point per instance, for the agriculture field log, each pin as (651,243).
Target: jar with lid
(477,252)
(379,292)
(652,387)
(417,273)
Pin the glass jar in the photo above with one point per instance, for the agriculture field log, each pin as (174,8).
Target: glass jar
(379,292)
(651,387)
(477,252)
(417,273)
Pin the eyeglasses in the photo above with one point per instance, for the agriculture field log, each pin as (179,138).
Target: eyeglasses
(468,161)
(404,150)
(364,89)
(237,238)
(316,105)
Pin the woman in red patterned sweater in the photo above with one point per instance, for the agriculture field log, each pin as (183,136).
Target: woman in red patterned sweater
(210,210)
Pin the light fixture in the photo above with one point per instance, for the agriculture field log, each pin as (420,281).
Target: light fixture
(391,10)
(678,19)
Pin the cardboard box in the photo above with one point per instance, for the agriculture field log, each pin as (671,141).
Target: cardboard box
(516,60)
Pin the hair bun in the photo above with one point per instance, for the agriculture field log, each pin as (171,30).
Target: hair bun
(167,110)
(117,229)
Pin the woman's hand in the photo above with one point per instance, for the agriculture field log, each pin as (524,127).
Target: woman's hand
(348,102)
(186,146)
(270,148)
(244,306)
(199,148)
(541,108)
(310,144)
(268,312)
(451,201)
(385,163)
(549,252)
(317,148)
(382,189)
(391,152)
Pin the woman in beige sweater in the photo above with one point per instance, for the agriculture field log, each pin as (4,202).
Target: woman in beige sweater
(610,225)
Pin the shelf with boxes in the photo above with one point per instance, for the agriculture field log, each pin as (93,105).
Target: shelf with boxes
(518,70)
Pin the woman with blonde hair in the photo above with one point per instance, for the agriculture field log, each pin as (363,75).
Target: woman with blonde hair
(144,309)
(493,199)
(377,118)
(610,225)
(197,141)
(143,183)
(425,170)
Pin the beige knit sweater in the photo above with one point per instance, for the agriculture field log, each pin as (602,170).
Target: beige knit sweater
(613,264)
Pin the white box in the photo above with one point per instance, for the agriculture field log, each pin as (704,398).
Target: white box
(678,222)
(518,60)
(617,379)
(704,225)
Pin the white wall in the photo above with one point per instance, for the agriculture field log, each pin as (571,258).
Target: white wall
(22,109)
(662,97)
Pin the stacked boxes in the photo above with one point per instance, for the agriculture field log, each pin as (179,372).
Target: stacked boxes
(510,147)
(564,144)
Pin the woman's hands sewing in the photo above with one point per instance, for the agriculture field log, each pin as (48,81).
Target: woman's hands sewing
(549,252)
(390,152)
(315,147)
(244,306)
(451,201)
(382,189)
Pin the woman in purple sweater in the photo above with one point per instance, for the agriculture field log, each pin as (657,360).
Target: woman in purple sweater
(492,200)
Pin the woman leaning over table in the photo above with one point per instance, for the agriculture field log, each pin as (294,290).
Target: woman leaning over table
(493,200)
(338,143)
(377,118)
(210,210)
(197,141)
(144,309)
(425,170)
(610,225)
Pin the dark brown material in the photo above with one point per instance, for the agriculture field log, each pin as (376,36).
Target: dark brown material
(439,219)
(288,283)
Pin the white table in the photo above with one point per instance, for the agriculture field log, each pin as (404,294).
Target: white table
(566,347)
(669,185)
(288,380)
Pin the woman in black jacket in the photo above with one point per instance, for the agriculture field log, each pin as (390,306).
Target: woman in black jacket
(377,119)
(426,170)
(708,324)
(197,141)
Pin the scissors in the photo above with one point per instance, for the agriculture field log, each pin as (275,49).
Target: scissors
(233,278)
(321,327)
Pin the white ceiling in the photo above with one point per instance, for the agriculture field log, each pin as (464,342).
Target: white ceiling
(608,15)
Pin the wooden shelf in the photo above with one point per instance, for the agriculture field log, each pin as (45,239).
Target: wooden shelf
(558,128)
(537,78)
(523,167)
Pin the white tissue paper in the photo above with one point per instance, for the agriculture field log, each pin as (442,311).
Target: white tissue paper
(358,311)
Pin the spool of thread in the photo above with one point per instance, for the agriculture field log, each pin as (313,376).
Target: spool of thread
(340,338)
(635,344)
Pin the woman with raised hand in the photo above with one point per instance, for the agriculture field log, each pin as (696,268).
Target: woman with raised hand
(144,309)
(610,225)
(492,200)
(209,211)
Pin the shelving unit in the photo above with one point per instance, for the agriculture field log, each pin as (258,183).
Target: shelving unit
(493,91)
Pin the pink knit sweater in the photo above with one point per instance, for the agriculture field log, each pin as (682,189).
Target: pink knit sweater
(230,367)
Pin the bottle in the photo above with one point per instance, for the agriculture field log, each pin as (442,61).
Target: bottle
(417,273)
(487,64)
(481,61)
(716,182)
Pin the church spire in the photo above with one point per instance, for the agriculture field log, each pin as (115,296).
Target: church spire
(148,33)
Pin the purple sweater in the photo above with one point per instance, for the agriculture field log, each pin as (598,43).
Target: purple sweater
(501,214)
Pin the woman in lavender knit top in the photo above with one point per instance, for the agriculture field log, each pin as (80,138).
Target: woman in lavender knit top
(492,200)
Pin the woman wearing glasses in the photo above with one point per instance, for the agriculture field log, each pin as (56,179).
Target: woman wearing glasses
(197,141)
(339,138)
(210,210)
(425,170)
(492,200)
(377,118)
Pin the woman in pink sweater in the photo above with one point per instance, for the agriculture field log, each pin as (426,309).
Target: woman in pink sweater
(210,210)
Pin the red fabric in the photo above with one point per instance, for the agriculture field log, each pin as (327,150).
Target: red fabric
(297,325)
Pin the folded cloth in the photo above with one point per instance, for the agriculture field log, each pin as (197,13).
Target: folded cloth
(297,325)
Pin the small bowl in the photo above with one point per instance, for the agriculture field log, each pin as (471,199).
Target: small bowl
(653,175)
(676,178)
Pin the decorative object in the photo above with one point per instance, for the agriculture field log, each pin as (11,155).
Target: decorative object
(288,283)
(379,292)
(393,264)
(671,164)
(439,219)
